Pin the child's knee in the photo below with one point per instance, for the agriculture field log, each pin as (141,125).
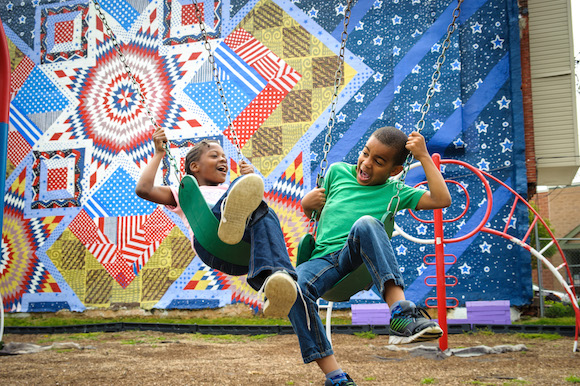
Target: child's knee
(367,222)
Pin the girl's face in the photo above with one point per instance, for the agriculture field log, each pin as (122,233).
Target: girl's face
(212,167)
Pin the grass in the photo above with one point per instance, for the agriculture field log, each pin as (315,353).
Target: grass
(366,334)
(33,320)
(538,336)
(562,321)
(573,379)
(427,381)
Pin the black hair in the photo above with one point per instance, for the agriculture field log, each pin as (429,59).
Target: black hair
(395,138)
(195,153)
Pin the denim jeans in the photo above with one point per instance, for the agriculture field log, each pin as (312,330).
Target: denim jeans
(268,252)
(367,243)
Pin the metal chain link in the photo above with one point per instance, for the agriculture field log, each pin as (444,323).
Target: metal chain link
(337,82)
(426,105)
(332,117)
(218,83)
(136,85)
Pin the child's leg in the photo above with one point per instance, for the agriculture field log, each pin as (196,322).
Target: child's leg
(368,243)
(315,277)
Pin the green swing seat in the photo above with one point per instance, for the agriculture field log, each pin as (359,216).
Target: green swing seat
(205,225)
(356,281)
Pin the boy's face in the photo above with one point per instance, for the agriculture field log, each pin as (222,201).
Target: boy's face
(376,163)
(212,166)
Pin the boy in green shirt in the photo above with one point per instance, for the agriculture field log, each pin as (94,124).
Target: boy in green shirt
(351,203)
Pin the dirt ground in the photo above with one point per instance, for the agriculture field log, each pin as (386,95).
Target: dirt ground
(154,358)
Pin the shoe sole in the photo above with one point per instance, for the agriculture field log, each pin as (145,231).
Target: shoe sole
(243,199)
(280,293)
(430,333)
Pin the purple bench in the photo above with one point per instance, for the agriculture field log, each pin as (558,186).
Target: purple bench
(370,313)
(485,312)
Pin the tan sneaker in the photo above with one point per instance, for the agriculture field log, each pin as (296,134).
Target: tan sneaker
(242,200)
(280,294)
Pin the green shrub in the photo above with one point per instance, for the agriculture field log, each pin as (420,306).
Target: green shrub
(558,310)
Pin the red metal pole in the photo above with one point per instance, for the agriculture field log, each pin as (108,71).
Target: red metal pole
(440,269)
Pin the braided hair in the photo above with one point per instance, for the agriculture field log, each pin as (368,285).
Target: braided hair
(196,152)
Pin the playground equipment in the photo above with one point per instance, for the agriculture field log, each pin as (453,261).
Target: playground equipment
(441,300)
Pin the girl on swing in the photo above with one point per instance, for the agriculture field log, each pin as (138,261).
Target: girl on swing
(242,213)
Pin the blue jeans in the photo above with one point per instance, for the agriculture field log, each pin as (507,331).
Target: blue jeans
(268,252)
(367,243)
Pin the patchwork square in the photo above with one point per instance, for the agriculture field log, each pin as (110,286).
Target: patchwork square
(324,71)
(63,32)
(296,107)
(56,179)
(180,21)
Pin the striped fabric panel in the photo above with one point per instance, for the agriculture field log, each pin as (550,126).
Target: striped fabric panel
(238,67)
(24,126)
(104,253)
(252,51)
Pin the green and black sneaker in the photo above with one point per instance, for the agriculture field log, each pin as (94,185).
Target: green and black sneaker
(410,324)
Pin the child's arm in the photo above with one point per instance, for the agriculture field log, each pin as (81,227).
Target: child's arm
(146,188)
(437,196)
(313,201)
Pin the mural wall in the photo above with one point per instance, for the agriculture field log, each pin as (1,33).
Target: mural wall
(76,236)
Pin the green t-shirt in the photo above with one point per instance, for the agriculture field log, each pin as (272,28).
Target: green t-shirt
(347,201)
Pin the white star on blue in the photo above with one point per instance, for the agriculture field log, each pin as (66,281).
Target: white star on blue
(382,115)
(313,156)
(506,145)
(396,51)
(313,13)
(421,229)
(485,247)
(457,103)
(437,87)
(377,4)
(504,103)
(416,69)
(482,127)
(416,33)
(436,47)
(340,117)
(340,9)
(378,77)
(442,168)
(378,41)
(513,222)
(397,20)
(478,83)
(360,26)
(35,3)
(416,2)
(460,224)
(482,203)
(421,269)
(9,6)
(22,19)
(459,144)
(456,65)
(497,42)
(401,250)
(483,165)
(476,28)
(437,125)
(465,269)
(398,126)
(398,90)
(359,97)
(416,106)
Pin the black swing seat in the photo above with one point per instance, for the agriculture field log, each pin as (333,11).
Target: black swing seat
(205,225)
(356,281)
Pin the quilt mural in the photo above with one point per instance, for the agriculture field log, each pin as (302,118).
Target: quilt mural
(76,236)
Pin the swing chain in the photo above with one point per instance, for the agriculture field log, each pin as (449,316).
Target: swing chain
(215,72)
(135,83)
(425,108)
(337,82)
(338,75)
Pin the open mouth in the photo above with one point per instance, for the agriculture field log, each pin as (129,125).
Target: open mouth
(222,168)
(363,176)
